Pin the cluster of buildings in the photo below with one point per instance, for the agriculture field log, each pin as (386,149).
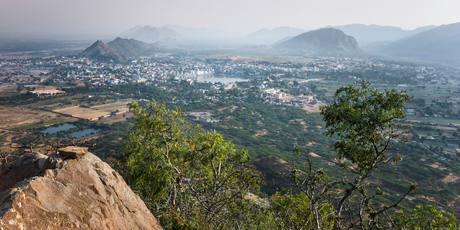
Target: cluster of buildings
(171,68)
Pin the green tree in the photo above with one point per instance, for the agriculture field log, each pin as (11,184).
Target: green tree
(365,122)
(20,88)
(188,177)
(423,218)
(443,138)
(296,212)
(423,139)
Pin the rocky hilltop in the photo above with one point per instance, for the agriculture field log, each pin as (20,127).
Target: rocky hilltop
(326,41)
(123,49)
(73,190)
(117,50)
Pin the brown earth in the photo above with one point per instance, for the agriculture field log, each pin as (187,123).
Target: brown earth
(312,108)
(93,115)
(11,117)
(75,110)
(451,178)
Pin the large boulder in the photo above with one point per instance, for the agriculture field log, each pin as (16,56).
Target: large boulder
(41,192)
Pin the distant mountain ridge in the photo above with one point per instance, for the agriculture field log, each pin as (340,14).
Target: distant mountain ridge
(368,34)
(327,41)
(150,34)
(122,49)
(440,44)
(270,36)
(201,33)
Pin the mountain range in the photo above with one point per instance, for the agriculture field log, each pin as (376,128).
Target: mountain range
(368,34)
(150,34)
(441,44)
(265,36)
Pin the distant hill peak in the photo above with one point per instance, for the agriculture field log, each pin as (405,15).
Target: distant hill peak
(124,49)
(322,41)
(367,34)
(441,44)
(266,36)
(150,34)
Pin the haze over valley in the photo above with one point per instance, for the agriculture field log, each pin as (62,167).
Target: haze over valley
(346,110)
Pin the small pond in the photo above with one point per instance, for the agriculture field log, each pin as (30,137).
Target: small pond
(83,133)
(63,127)
(66,127)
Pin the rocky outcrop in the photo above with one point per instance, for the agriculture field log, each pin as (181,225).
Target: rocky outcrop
(41,192)
(122,49)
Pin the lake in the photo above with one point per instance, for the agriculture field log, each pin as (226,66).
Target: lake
(83,133)
(63,127)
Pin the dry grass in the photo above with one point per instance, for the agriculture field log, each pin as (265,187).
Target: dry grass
(261,133)
(117,118)
(11,117)
(451,178)
(75,110)
(312,108)
(438,166)
(93,115)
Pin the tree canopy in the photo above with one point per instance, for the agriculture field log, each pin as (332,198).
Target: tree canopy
(189,177)
(194,179)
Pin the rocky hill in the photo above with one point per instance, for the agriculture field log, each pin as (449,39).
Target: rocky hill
(326,41)
(440,44)
(70,191)
(100,50)
(122,49)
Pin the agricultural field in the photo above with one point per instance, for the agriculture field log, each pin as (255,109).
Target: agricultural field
(17,117)
(95,112)
(74,110)
(109,106)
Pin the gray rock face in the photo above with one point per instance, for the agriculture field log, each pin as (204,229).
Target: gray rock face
(40,192)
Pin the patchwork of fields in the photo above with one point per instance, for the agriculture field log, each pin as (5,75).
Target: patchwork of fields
(93,113)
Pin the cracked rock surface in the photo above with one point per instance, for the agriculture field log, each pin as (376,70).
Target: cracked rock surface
(41,192)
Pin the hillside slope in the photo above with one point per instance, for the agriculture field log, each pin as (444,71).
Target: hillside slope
(122,49)
(439,44)
(327,41)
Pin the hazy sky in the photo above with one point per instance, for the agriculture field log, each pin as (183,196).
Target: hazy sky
(99,17)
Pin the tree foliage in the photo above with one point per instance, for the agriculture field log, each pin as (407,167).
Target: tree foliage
(190,178)
(424,218)
(365,122)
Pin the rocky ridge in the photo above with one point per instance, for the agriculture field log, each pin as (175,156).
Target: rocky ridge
(122,49)
(80,191)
